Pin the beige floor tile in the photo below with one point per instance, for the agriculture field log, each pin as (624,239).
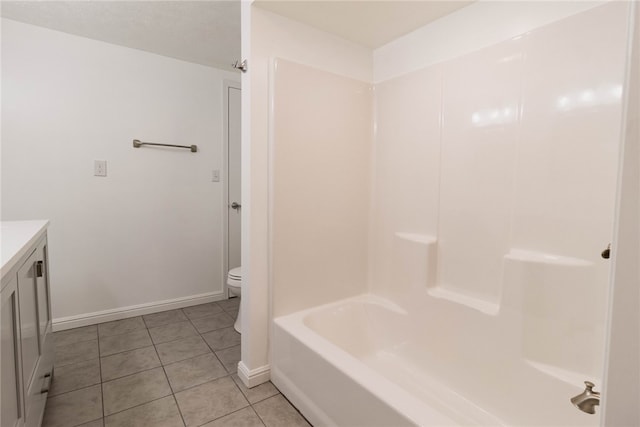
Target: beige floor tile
(74,353)
(276,411)
(210,323)
(134,390)
(202,310)
(96,423)
(222,338)
(172,331)
(209,401)
(181,349)
(75,376)
(229,358)
(230,305)
(246,417)
(164,318)
(72,336)
(74,408)
(118,327)
(257,393)
(137,390)
(159,413)
(191,372)
(123,342)
(129,362)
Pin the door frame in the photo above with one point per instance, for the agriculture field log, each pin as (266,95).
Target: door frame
(224,178)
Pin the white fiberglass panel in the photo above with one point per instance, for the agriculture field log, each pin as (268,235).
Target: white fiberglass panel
(570,135)
(566,183)
(481,100)
(527,153)
(321,170)
(406,174)
(498,292)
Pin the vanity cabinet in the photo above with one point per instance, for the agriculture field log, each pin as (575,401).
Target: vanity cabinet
(10,392)
(26,352)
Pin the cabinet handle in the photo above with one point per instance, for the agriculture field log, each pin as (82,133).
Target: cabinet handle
(39,268)
(47,383)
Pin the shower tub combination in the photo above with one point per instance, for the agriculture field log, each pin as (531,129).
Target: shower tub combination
(475,293)
(436,361)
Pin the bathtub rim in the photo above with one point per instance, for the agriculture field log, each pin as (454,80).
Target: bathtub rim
(432,412)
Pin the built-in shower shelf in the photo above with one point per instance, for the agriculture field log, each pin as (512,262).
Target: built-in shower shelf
(569,377)
(546,258)
(482,305)
(425,239)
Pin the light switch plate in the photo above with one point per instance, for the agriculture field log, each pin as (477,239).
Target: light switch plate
(100,168)
(215,175)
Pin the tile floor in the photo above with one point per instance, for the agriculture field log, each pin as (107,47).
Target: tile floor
(174,368)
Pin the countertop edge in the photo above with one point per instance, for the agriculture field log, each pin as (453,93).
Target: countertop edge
(26,242)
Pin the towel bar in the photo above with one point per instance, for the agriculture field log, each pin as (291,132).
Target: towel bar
(137,144)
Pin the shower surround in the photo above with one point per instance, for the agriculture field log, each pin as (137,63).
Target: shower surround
(465,206)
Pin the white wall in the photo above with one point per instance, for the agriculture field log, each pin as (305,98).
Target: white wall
(151,230)
(273,36)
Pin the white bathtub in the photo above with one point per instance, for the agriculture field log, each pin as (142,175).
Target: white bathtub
(342,364)
(364,361)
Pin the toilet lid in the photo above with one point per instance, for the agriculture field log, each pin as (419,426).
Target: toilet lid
(236,273)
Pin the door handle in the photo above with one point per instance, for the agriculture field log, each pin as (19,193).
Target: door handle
(46,384)
(39,265)
(236,205)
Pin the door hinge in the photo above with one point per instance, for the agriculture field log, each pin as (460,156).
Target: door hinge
(242,66)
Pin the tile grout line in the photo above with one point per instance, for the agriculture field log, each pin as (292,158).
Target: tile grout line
(233,412)
(206,382)
(137,406)
(214,351)
(220,349)
(173,394)
(145,370)
(259,416)
(184,423)
(70,345)
(79,425)
(135,373)
(71,391)
(101,382)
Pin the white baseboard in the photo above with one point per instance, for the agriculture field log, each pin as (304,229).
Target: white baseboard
(253,377)
(60,324)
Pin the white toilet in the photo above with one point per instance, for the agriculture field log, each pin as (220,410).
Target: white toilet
(234,283)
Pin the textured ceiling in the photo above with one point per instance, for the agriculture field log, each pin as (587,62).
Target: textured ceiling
(204,32)
(368,23)
(208,32)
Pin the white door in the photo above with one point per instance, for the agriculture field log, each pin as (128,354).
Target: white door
(233,177)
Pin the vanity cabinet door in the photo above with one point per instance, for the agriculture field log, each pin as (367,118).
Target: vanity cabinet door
(11,408)
(29,326)
(42,288)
